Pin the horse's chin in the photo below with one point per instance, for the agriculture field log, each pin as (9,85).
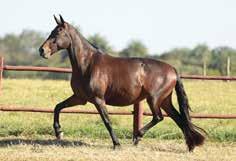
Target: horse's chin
(46,56)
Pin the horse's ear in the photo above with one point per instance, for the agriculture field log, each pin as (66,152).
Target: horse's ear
(57,21)
(62,20)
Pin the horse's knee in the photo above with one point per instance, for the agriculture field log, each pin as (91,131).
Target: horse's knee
(58,107)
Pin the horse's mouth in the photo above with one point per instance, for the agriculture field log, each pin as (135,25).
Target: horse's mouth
(46,55)
(43,55)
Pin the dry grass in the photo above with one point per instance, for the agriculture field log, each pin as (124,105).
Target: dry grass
(207,97)
(151,149)
(20,132)
(204,96)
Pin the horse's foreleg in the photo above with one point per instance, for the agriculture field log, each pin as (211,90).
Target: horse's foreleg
(71,101)
(101,107)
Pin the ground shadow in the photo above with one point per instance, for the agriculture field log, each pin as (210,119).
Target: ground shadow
(70,143)
(169,148)
(172,150)
(63,143)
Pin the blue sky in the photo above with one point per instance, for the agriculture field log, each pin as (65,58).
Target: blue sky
(159,24)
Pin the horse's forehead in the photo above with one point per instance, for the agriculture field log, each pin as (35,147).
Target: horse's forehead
(55,29)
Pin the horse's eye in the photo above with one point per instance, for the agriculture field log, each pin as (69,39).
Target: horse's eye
(59,29)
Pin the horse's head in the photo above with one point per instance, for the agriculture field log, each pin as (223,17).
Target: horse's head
(57,40)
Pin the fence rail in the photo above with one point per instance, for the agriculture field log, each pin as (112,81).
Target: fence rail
(39,69)
(74,111)
(69,70)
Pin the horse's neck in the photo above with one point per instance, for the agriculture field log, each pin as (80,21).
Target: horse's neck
(80,55)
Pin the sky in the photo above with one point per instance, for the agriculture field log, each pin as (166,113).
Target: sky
(160,24)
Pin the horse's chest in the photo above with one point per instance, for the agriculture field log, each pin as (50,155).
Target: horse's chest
(79,88)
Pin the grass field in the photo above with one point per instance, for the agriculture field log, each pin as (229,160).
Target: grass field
(32,131)
(46,149)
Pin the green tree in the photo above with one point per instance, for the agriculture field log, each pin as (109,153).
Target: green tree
(10,43)
(134,49)
(27,41)
(220,55)
(30,41)
(202,56)
(178,57)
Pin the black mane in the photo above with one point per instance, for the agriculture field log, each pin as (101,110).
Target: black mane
(87,42)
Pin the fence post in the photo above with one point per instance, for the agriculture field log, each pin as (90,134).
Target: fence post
(1,73)
(228,66)
(204,68)
(137,117)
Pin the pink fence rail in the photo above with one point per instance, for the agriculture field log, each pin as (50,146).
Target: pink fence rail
(68,70)
(76,111)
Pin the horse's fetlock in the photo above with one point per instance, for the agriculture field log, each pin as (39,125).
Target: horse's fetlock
(56,126)
(141,133)
(157,119)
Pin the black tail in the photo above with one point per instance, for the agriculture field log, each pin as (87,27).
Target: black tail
(192,133)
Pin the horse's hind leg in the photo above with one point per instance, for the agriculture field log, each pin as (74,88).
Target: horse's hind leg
(154,104)
(191,136)
(71,101)
(170,110)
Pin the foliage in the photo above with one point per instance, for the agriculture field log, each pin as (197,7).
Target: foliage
(191,61)
(101,43)
(22,49)
(134,49)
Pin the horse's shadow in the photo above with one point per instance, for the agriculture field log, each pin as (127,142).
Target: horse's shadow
(48,142)
(68,143)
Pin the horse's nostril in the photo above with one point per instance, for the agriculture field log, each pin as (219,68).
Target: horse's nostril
(41,50)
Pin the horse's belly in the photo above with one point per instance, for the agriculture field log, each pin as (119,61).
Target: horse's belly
(118,101)
(123,99)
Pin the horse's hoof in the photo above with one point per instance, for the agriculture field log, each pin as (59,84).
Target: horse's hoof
(136,140)
(59,136)
(117,146)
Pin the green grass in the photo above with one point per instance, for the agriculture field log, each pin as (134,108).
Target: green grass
(207,97)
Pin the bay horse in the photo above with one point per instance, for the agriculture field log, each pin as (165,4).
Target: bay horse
(106,80)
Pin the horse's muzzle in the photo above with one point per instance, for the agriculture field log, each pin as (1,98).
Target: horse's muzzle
(42,54)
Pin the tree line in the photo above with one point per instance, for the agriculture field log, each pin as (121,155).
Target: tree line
(22,49)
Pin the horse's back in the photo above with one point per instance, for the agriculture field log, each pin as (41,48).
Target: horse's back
(129,80)
(135,66)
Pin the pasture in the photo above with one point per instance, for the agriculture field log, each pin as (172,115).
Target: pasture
(30,135)
(46,149)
